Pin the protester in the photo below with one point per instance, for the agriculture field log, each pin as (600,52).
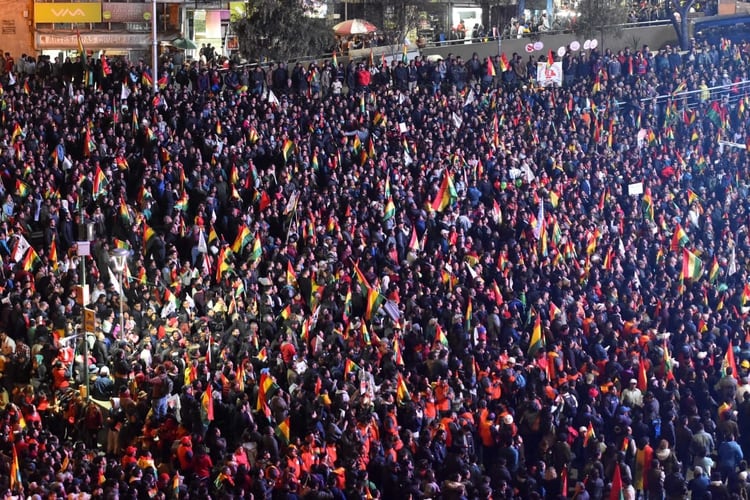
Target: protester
(465,287)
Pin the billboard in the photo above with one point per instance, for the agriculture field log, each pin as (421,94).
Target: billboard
(67,12)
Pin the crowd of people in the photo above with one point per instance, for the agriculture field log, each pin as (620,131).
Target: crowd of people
(405,280)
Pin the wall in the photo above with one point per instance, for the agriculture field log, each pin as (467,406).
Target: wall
(655,37)
(15,30)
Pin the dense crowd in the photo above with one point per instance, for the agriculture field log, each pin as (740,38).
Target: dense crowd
(405,280)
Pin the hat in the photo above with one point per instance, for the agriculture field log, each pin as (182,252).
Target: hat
(508,419)
(633,381)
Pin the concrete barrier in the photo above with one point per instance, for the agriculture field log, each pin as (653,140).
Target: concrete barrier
(653,36)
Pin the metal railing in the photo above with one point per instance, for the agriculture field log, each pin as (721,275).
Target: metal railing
(692,98)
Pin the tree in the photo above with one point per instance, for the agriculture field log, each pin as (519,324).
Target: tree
(678,14)
(280,30)
(400,18)
(599,16)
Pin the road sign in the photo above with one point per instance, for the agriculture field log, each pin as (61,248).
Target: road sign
(89,320)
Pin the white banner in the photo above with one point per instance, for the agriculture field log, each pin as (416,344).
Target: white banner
(549,75)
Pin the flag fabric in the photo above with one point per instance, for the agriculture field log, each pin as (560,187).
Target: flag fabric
(222,265)
(22,189)
(616,492)
(242,240)
(53,254)
(390,209)
(446,195)
(504,63)
(713,271)
(100,183)
(349,367)
(440,337)
(282,430)
(335,60)
(490,67)
(148,233)
(17,132)
(257,249)
(642,375)
(667,361)
(15,470)
(81,50)
(729,365)
(31,260)
(692,267)
(468,315)
(402,391)
(106,70)
(291,276)
(589,435)
(648,205)
(287,150)
(208,403)
(679,238)
(537,338)
(374,301)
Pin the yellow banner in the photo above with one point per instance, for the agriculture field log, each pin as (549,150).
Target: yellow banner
(55,12)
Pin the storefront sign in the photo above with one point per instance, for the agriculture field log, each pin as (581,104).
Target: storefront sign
(125,12)
(93,41)
(55,12)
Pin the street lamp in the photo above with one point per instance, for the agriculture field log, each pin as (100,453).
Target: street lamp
(154,50)
(119,258)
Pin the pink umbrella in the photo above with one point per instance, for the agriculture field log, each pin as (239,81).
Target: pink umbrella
(354,27)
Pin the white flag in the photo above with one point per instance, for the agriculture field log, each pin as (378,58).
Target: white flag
(407,159)
(202,247)
(272,98)
(21,246)
(732,269)
(11,79)
(539,221)
(124,92)
(457,121)
(469,98)
(115,282)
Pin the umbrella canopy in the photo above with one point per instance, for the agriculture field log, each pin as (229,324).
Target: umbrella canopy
(184,44)
(354,27)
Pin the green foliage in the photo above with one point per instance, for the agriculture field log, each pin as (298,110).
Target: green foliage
(600,17)
(280,30)
(400,18)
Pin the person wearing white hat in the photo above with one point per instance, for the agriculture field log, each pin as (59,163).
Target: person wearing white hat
(631,396)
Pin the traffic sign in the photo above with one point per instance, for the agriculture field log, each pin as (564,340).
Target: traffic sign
(89,320)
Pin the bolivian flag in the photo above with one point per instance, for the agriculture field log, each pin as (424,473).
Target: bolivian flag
(287,150)
(242,240)
(446,195)
(692,267)
(257,249)
(537,338)
(390,209)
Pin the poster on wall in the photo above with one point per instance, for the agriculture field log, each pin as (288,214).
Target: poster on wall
(549,75)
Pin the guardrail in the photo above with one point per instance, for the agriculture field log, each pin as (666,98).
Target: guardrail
(691,98)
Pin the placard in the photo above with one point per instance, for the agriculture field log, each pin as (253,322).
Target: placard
(635,188)
(547,75)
